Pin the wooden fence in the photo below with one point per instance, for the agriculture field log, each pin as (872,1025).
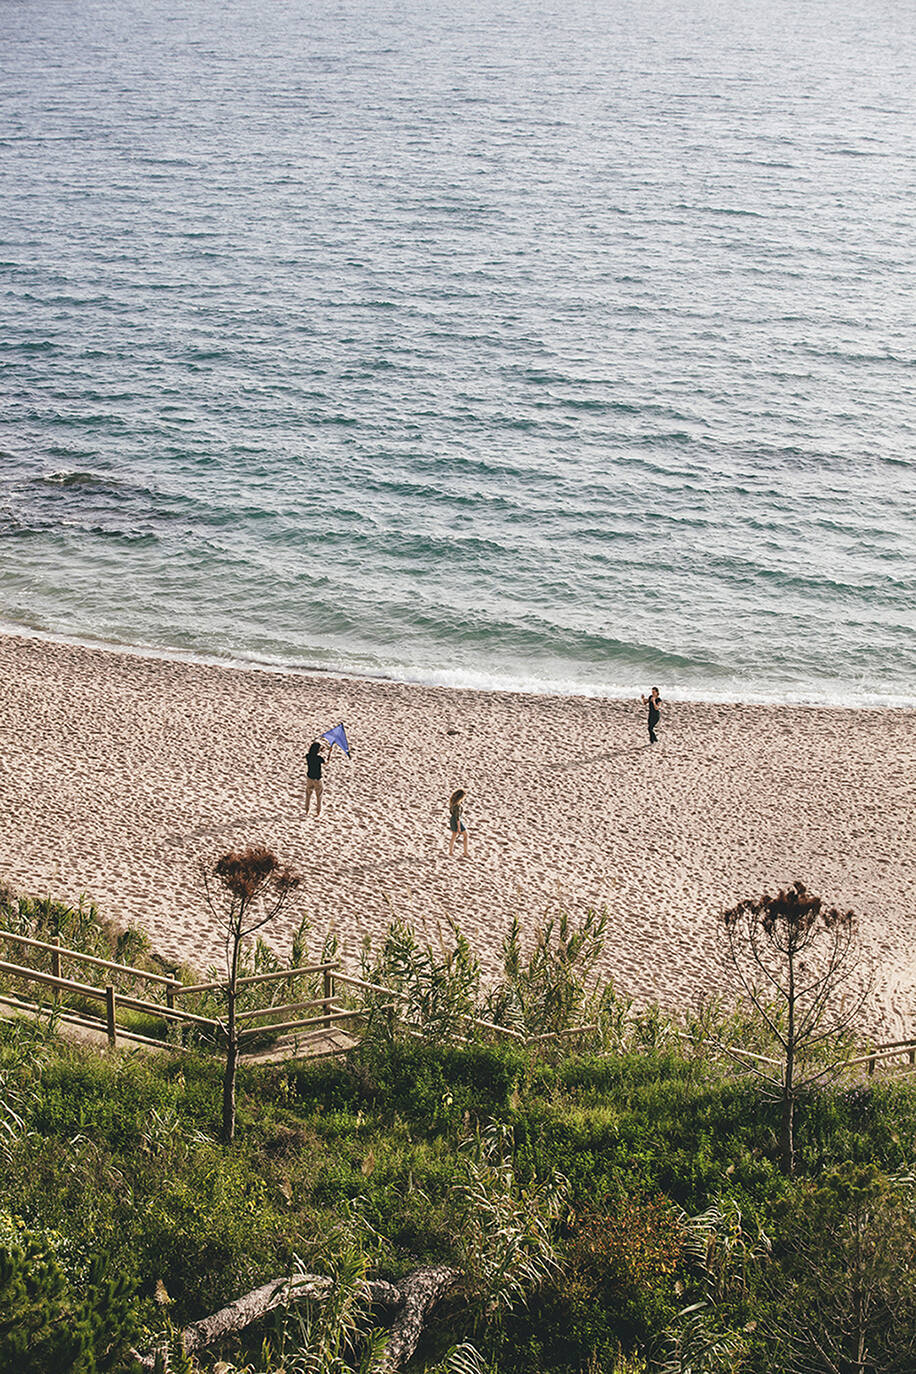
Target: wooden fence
(879,1054)
(207,1031)
(279,1027)
(893,1049)
(286,1031)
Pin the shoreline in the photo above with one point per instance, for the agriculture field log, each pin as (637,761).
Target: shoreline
(711,697)
(123,770)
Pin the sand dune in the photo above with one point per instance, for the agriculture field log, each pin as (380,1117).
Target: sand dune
(120,773)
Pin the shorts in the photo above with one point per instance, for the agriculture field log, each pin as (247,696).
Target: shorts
(313,785)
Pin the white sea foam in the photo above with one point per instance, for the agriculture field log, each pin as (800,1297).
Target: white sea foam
(480,681)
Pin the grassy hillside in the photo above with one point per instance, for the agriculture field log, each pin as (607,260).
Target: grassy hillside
(614,1210)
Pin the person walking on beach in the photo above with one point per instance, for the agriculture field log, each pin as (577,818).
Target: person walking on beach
(653,701)
(455,823)
(314,761)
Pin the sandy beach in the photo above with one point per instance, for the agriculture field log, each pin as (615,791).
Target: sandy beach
(120,773)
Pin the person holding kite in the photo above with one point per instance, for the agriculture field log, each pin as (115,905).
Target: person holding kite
(455,823)
(315,760)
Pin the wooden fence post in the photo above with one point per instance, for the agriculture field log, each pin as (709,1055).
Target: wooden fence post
(55,964)
(170,995)
(110,1014)
(870,1067)
(328,980)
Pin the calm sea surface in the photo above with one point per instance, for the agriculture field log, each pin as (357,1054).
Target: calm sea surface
(565,345)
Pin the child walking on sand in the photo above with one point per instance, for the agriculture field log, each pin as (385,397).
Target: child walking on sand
(455,823)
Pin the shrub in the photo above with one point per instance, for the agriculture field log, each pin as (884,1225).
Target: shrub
(620,1263)
(48,1322)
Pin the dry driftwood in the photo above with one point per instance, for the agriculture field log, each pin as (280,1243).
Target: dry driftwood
(412,1299)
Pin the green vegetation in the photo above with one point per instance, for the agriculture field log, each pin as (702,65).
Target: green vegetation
(49,1322)
(618,1207)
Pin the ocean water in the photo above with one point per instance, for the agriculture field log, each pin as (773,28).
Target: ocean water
(568,347)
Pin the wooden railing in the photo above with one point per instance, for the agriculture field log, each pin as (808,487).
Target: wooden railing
(209,1030)
(288,1030)
(58,951)
(285,1032)
(732,1050)
(881,1053)
(111,998)
(284,1024)
(892,1049)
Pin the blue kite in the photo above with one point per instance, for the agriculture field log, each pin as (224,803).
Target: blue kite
(338,735)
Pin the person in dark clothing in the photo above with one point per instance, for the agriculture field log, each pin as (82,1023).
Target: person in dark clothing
(314,761)
(654,702)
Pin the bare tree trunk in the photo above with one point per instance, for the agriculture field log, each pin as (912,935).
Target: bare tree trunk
(247,1309)
(861,1360)
(232,1059)
(412,1299)
(787,1141)
(232,1045)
